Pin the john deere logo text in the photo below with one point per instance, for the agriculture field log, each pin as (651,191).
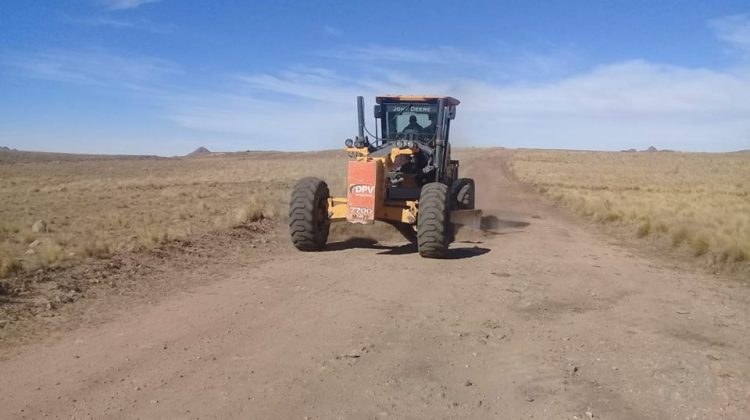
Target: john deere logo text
(362,190)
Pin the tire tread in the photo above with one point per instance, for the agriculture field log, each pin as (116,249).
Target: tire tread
(433,224)
(306,196)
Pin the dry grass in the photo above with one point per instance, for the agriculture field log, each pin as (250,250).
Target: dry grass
(94,207)
(695,202)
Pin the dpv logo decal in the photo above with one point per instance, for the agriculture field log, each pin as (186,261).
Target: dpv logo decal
(361,190)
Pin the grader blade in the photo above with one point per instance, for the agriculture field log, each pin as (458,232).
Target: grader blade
(471,219)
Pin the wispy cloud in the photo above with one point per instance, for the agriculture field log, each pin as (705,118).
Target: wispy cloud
(504,63)
(734,30)
(620,105)
(615,105)
(91,67)
(426,55)
(99,21)
(311,84)
(120,23)
(125,4)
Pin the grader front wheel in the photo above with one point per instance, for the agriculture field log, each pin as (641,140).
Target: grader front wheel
(433,221)
(308,214)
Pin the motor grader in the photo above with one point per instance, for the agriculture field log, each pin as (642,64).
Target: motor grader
(405,177)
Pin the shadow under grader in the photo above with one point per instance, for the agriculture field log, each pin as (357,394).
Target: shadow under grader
(461,253)
(408,248)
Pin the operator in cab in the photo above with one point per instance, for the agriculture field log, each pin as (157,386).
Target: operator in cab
(413,126)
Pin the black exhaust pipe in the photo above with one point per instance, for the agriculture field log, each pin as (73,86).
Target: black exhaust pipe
(361,117)
(439,142)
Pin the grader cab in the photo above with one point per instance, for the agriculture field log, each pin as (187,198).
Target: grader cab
(405,177)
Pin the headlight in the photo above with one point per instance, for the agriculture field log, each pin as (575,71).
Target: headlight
(400,144)
(349,143)
(410,144)
(359,144)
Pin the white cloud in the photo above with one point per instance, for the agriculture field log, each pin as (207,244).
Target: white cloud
(117,23)
(102,21)
(313,84)
(616,106)
(91,67)
(125,4)
(426,55)
(734,30)
(267,124)
(619,105)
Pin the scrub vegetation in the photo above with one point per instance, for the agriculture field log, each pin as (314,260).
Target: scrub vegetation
(94,206)
(697,203)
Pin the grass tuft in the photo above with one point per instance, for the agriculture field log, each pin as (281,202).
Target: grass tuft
(96,249)
(700,246)
(49,253)
(8,267)
(734,254)
(249,214)
(152,236)
(644,229)
(680,235)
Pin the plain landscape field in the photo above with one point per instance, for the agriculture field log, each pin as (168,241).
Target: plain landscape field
(88,206)
(60,209)
(697,204)
(546,316)
(63,210)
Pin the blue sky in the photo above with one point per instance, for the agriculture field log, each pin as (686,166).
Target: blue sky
(166,76)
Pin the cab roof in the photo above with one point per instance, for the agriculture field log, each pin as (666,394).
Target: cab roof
(416,98)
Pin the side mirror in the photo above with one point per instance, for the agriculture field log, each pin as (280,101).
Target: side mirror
(377,111)
(452,112)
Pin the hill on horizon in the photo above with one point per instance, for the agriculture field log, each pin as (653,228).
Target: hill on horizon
(201,151)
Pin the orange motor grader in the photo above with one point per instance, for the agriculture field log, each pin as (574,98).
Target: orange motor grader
(405,178)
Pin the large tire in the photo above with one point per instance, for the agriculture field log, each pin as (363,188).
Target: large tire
(463,194)
(308,214)
(433,221)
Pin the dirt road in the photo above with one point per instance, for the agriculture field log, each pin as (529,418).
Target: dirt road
(547,319)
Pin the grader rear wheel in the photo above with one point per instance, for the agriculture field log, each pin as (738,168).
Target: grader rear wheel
(463,193)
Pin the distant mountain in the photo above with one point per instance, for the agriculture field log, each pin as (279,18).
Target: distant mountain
(651,149)
(201,151)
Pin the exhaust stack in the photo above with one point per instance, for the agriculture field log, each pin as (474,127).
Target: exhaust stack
(440,142)
(361,117)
